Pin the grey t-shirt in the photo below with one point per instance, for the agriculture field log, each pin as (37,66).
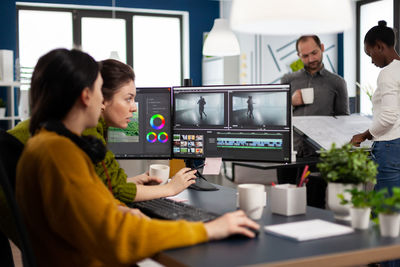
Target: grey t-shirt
(330,99)
(330,92)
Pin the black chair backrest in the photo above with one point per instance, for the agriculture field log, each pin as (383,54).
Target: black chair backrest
(10,151)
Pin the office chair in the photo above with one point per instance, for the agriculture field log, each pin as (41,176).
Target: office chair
(10,151)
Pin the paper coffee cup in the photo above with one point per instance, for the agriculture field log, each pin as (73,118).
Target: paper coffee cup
(252,199)
(160,171)
(308,95)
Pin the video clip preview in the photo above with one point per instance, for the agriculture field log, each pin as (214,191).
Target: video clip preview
(234,122)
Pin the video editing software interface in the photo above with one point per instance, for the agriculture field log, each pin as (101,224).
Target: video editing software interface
(240,122)
(148,134)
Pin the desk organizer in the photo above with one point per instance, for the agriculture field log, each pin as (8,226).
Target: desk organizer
(288,199)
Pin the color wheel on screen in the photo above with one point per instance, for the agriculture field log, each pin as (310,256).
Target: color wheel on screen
(163,137)
(157,121)
(151,137)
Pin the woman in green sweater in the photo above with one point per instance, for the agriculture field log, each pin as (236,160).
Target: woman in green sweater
(72,218)
(119,91)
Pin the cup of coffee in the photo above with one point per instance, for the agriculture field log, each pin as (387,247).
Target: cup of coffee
(160,171)
(252,199)
(308,95)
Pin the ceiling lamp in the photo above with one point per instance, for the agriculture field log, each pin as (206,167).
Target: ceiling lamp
(288,17)
(221,41)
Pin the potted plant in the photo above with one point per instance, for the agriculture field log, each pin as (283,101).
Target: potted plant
(387,206)
(345,168)
(360,209)
(2,108)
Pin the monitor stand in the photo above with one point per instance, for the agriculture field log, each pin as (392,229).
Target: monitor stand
(201,182)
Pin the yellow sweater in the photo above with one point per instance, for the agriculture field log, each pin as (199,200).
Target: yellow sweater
(73,219)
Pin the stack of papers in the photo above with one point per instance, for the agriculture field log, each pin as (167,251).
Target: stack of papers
(325,130)
(308,230)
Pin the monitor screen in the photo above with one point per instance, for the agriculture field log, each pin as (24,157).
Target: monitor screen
(235,122)
(148,134)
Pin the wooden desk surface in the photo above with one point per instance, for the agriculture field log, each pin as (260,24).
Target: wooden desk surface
(361,247)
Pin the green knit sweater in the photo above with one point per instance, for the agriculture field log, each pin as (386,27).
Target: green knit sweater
(122,190)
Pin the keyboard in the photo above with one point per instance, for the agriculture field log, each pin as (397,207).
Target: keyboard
(167,209)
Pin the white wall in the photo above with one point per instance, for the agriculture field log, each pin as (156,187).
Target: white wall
(265,59)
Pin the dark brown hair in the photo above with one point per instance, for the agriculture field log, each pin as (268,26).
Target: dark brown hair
(115,74)
(57,82)
(305,37)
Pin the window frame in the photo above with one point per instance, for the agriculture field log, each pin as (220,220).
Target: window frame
(396,25)
(78,12)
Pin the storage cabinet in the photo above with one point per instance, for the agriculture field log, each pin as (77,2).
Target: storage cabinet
(10,108)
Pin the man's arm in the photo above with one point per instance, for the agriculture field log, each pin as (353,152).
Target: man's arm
(297,99)
(342,99)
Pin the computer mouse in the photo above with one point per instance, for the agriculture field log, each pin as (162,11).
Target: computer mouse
(239,236)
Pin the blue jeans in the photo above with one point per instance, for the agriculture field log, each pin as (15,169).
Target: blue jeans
(387,155)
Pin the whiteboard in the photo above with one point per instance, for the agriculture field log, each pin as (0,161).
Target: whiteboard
(325,130)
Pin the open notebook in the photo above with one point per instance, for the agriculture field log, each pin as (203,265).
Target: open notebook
(308,230)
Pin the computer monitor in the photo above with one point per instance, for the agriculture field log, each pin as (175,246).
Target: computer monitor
(235,122)
(148,134)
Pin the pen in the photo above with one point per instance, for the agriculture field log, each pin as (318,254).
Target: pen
(198,167)
(303,176)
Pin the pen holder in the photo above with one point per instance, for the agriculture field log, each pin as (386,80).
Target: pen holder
(288,199)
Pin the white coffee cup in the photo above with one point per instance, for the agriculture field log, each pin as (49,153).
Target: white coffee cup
(308,95)
(160,171)
(252,199)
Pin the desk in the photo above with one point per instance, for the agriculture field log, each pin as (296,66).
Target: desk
(361,247)
(301,162)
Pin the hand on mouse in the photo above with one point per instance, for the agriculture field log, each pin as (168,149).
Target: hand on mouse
(231,223)
(181,180)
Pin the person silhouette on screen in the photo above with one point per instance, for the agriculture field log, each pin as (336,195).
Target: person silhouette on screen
(250,107)
(201,104)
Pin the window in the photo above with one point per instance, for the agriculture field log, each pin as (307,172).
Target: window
(370,12)
(151,42)
(161,37)
(39,32)
(100,43)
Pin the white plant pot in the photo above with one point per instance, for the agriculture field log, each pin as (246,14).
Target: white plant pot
(341,212)
(389,224)
(360,217)
(2,112)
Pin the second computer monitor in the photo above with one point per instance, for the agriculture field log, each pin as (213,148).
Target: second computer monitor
(240,122)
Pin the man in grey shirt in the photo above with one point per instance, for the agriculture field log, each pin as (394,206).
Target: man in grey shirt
(330,99)
(330,91)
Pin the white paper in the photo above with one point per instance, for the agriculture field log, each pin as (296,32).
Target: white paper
(308,230)
(212,166)
(325,130)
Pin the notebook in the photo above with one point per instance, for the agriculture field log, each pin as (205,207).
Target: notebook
(308,230)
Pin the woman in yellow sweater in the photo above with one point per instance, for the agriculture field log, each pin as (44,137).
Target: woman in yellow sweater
(72,217)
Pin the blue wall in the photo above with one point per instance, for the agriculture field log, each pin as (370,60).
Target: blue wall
(201,18)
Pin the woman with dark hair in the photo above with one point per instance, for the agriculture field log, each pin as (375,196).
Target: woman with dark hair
(385,130)
(72,218)
(119,93)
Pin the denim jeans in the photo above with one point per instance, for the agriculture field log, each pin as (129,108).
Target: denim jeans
(387,155)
